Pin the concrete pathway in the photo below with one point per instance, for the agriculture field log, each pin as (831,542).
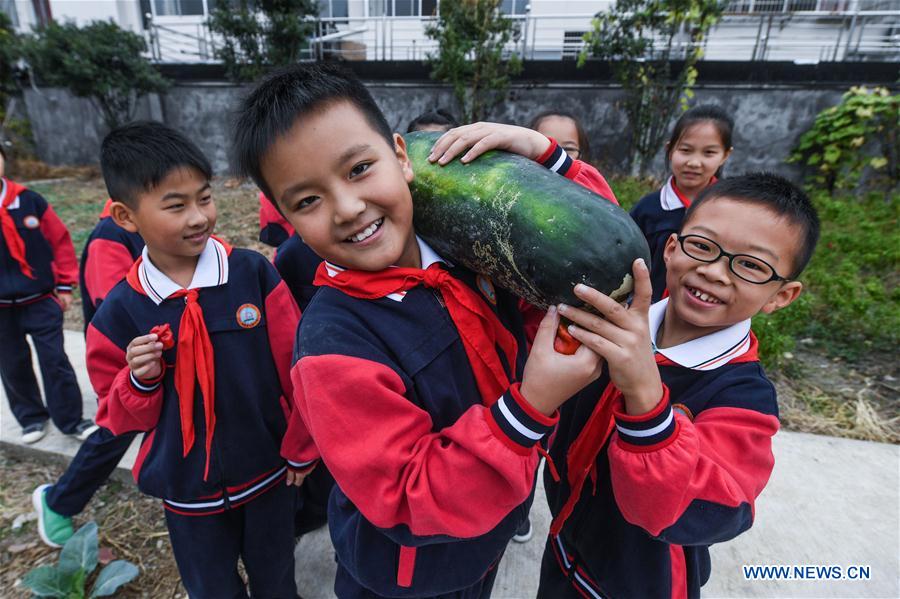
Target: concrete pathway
(831,502)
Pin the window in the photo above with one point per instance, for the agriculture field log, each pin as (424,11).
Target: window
(514,7)
(175,8)
(333,9)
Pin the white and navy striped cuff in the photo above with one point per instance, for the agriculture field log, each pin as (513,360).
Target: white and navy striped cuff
(556,159)
(144,387)
(519,421)
(648,429)
(64,288)
(300,466)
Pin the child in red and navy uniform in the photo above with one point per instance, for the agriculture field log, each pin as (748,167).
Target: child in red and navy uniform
(38,272)
(274,230)
(107,257)
(696,152)
(666,454)
(410,372)
(186,351)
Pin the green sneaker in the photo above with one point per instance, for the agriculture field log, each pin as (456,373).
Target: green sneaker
(55,529)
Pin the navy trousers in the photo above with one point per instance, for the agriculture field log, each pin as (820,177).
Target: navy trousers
(260,532)
(96,459)
(346,587)
(43,320)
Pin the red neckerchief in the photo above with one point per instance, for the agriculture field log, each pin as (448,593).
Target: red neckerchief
(14,242)
(686,201)
(195,355)
(479,328)
(105,211)
(582,454)
(581,459)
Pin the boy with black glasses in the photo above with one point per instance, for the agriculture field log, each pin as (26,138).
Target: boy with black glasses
(666,454)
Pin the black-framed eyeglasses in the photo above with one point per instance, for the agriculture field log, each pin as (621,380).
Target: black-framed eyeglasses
(749,268)
(572,151)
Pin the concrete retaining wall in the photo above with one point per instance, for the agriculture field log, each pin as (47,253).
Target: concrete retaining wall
(769,118)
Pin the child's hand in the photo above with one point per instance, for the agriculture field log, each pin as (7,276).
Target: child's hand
(550,378)
(622,337)
(296,478)
(65,300)
(481,137)
(144,356)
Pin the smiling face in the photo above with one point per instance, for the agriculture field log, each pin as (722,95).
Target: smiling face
(175,219)
(706,297)
(696,157)
(345,189)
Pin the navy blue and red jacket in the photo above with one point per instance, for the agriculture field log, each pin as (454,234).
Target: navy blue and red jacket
(273,227)
(297,264)
(239,293)
(107,257)
(48,249)
(432,482)
(667,484)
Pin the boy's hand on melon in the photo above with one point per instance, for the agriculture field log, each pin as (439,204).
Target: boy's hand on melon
(478,138)
(144,357)
(551,377)
(622,337)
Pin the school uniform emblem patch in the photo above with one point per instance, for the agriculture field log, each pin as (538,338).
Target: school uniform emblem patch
(31,222)
(486,288)
(248,316)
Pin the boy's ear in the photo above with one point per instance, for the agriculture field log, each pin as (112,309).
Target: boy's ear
(783,298)
(123,216)
(671,246)
(403,157)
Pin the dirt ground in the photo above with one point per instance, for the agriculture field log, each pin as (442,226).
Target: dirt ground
(131,527)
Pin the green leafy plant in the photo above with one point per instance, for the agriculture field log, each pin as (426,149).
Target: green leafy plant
(472,36)
(100,61)
(77,560)
(643,39)
(261,34)
(860,133)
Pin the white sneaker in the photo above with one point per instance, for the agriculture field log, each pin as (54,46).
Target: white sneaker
(524,532)
(34,433)
(84,429)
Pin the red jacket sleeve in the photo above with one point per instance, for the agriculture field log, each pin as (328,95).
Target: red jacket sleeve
(65,266)
(691,483)
(107,263)
(125,404)
(283,315)
(385,456)
(556,159)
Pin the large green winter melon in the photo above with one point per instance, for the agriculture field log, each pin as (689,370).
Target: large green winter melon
(534,232)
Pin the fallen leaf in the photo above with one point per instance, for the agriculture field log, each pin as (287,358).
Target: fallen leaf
(21,519)
(105,555)
(20,547)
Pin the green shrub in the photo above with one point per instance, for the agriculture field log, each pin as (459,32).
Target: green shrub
(851,301)
(100,61)
(859,134)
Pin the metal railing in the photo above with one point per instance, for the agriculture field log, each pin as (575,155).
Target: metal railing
(800,36)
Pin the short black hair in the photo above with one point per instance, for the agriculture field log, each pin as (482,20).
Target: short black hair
(134,158)
(273,106)
(438,116)
(779,195)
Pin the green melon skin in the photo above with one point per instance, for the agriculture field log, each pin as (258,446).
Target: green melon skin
(534,232)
